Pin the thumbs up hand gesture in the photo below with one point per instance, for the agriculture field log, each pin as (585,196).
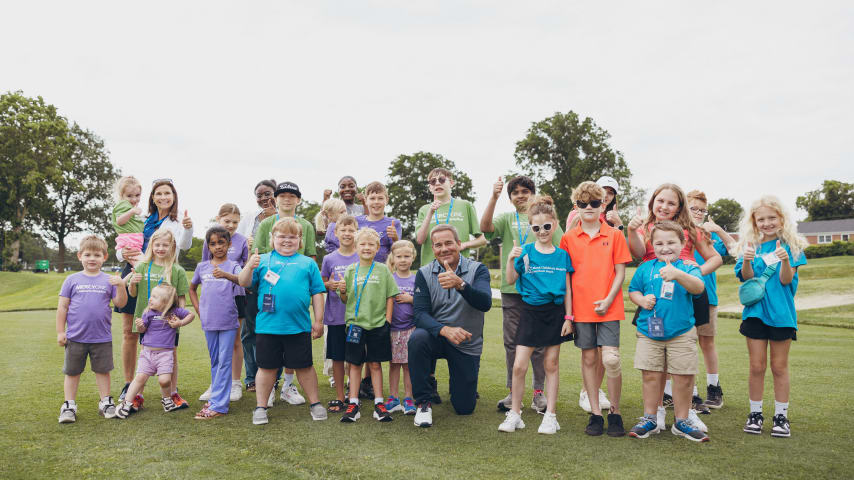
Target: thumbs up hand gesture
(497,188)
(613,216)
(749,252)
(637,220)
(254,260)
(781,252)
(391,232)
(116,280)
(187,223)
(516,252)
(449,279)
(668,273)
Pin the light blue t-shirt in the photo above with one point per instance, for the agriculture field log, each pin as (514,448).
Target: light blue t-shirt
(678,313)
(542,277)
(777,307)
(299,279)
(711,280)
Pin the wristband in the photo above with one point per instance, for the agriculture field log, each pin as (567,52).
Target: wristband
(571,318)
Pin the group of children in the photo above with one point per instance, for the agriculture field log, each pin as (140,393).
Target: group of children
(556,286)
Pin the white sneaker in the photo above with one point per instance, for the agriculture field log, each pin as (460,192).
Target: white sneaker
(694,420)
(272,398)
(661,417)
(584,402)
(549,425)
(604,403)
(236,391)
(291,395)
(68,413)
(259,416)
(205,396)
(424,416)
(331,382)
(106,408)
(512,421)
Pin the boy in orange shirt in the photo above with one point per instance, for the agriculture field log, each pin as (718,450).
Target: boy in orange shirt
(599,253)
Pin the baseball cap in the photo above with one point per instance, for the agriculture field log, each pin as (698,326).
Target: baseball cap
(288,187)
(606,181)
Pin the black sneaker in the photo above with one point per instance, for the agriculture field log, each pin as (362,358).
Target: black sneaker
(667,401)
(434,385)
(366,388)
(781,426)
(124,392)
(714,396)
(754,423)
(698,405)
(615,425)
(595,425)
(352,414)
(381,414)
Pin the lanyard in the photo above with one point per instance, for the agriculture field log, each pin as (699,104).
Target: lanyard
(149,280)
(519,230)
(364,285)
(270,268)
(277,218)
(450,209)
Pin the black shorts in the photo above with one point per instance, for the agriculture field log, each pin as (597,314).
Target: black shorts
(289,351)
(130,306)
(540,325)
(336,338)
(374,346)
(701,309)
(240,301)
(754,328)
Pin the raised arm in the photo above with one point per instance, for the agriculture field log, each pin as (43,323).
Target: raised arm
(486,225)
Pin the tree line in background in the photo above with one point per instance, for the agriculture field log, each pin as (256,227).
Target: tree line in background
(57,180)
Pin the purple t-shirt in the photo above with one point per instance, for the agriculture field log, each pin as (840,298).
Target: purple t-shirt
(89,315)
(336,264)
(158,333)
(238,251)
(331,241)
(217,308)
(402,317)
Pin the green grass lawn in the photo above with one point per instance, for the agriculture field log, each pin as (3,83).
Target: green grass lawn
(155,444)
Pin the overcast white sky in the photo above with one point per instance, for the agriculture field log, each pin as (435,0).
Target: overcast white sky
(735,98)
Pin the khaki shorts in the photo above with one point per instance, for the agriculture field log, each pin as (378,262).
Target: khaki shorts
(711,328)
(675,356)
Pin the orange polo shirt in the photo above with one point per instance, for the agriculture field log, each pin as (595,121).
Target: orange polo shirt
(594,260)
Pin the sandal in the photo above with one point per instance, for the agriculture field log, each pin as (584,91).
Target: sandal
(207,414)
(250,387)
(335,406)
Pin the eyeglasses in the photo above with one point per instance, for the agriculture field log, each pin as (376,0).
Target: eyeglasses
(546,226)
(592,203)
(437,181)
(286,237)
(162,180)
(698,210)
(260,196)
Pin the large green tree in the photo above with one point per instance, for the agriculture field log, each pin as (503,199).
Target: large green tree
(833,200)
(77,200)
(564,150)
(407,186)
(726,212)
(31,132)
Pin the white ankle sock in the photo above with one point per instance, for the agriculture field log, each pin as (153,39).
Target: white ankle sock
(755,406)
(354,400)
(781,408)
(695,391)
(378,400)
(712,379)
(668,388)
(289,378)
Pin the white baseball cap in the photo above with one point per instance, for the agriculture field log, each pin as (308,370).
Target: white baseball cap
(606,181)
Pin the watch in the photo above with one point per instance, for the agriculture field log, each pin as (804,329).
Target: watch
(462,285)
(620,227)
(571,318)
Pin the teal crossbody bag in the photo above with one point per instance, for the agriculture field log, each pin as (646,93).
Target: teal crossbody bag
(753,290)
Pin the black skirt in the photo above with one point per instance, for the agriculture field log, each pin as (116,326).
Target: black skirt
(540,326)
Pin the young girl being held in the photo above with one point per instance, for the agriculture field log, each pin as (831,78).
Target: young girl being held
(328,214)
(399,262)
(218,314)
(127,216)
(542,276)
(769,246)
(160,321)
(238,252)
(158,267)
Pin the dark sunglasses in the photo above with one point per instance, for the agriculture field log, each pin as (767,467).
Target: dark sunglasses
(437,181)
(593,203)
(546,226)
(162,180)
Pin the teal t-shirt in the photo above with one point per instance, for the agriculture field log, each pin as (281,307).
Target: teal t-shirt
(299,279)
(462,216)
(542,276)
(508,229)
(777,307)
(678,312)
(711,280)
(374,293)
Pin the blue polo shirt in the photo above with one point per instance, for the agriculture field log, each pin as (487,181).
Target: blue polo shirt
(299,279)
(542,277)
(711,280)
(777,307)
(678,313)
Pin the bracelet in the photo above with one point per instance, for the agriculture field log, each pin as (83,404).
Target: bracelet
(571,318)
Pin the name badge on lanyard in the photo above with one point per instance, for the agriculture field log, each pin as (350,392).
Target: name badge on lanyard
(655,326)
(268,302)
(667,288)
(770,259)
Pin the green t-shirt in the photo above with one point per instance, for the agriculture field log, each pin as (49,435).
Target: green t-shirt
(380,287)
(507,230)
(179,281)
(134,225)
(463,217)
(264,241)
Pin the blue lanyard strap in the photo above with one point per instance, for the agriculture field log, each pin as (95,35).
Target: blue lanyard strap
(364,284)
(270,268)
(450,209)
(149,279)
(519,230)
